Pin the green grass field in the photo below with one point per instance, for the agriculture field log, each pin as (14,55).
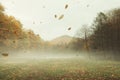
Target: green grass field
(73,68)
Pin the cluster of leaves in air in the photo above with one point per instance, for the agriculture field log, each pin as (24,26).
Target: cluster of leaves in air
(61,16)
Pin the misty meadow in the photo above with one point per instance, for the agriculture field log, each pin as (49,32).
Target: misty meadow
(91,52)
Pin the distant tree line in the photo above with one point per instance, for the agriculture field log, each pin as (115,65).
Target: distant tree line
(106,31)
(103,35)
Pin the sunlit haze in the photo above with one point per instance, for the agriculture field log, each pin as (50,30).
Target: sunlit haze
(38,15)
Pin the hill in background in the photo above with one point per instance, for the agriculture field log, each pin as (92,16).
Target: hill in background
(65,39)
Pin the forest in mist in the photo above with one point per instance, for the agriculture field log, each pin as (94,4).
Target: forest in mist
(101,38)
(93,53)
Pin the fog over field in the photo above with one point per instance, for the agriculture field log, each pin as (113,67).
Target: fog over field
(59,40)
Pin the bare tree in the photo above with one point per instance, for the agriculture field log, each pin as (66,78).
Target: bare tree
(84,33)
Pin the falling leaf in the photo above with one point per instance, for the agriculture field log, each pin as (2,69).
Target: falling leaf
(66,6)
(33,22)
(69,28)
(40,22)
(5,54)
(88,5)
(55,16)
(61,17)
(43,6)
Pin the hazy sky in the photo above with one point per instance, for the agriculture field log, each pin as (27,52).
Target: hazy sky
(38,15)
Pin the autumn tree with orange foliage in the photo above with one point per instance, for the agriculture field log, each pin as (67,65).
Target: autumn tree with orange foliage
(13,36)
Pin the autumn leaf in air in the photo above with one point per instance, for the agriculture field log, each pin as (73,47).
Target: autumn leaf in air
(61,17)
(33,22)
(40,22)
(43,6)
(55,16)
(5,54)
(69,28)
(88,5)
(66,6)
